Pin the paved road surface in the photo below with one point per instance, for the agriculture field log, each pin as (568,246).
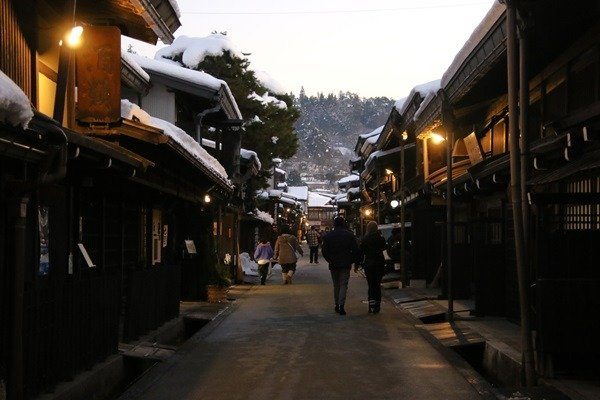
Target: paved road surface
(286,342)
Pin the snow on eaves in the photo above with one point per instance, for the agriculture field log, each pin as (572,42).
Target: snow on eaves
(399,104)
(424,90)
(265,100)
(175,70)
(269,83)
(492,16)
(372,133)
(127,57)
(245,154)
(193,50)
(15,107)
(134,112)
(175,8)
(369,142)
(300,192)
(249,154)
(318,200)
(349,178)
(263,216)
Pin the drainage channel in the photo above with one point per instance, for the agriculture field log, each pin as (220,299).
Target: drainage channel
(143,356)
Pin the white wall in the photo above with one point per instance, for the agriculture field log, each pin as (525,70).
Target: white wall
(160,103)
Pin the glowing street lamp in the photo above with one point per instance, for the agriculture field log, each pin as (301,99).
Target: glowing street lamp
(394,203)
(74,36)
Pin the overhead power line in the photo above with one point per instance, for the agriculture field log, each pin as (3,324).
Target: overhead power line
(372,10)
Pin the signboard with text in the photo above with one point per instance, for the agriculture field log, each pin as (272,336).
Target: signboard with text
(99,75)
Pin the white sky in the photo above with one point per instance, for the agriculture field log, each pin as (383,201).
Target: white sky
(374,48)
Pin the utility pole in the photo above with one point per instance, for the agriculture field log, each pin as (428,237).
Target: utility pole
(515,190)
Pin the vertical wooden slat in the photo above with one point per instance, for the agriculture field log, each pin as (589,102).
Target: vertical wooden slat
(15,52)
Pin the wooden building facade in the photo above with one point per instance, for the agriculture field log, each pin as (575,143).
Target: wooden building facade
(557,90)
(102,218)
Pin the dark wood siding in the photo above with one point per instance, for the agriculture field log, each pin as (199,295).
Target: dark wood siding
(16,52)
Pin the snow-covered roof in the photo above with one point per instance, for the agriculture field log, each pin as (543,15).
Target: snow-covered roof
(246,154)
(300,192)
(275,193)
(317,200)
(133,111)
(263,216)
(369,142)
(372,133)
(289,195)
(268,82)
(249,154)
(265,100)
(175,7)
(349,178)
(280,171)
(353,191)
(380,153)
(15,107)
(492,16)
(131,61)
(399,104)
(193,50)
(424,90)
(430,96)
(200,79)
(177,71)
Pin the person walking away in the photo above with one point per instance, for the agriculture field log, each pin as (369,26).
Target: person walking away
(372,247)
(263,255)
(312,239)
(340,250)
(286,247)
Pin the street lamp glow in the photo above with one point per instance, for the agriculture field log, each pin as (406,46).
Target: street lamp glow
(389,171)
(394,203)
(207,198)
(74,36)
(368,212)
(436,138)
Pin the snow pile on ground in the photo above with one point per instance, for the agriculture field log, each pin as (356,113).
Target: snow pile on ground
(248,266)
(15,108)
(193,50)
(134,112)
(265,99)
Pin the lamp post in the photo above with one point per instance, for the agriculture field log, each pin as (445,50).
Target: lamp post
(403,265)
(276,162)
(449,223)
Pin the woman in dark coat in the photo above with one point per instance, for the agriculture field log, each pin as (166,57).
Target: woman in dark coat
(372,246)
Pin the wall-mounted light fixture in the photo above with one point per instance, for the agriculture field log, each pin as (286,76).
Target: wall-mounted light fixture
(207,198)
(394,203)
(74,36)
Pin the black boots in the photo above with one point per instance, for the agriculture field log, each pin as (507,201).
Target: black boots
(340,309)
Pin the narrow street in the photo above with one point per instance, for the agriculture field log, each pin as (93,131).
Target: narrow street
(286,342)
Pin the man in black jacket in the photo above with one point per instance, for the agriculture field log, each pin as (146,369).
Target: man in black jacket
(340,250)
